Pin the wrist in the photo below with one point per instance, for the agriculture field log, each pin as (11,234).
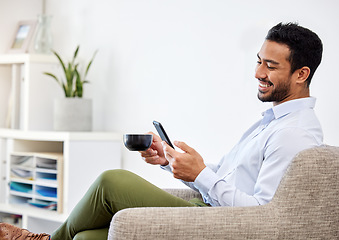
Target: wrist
(199,171)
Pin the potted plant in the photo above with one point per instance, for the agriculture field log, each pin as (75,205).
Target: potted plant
(72,113)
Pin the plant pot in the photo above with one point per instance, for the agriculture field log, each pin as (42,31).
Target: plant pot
(72,114)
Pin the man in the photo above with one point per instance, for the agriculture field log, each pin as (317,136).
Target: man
(250,174)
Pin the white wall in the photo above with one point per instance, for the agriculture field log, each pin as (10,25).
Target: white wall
(186,63)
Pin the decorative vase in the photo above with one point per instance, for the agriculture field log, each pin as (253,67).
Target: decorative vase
(43,40)
(72,114)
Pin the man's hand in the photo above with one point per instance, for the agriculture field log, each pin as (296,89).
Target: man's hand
(154,154)
(185,166)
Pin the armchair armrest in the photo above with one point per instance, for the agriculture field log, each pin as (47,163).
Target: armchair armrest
(257,222)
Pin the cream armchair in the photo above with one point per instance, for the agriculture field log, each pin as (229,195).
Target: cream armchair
(305,206)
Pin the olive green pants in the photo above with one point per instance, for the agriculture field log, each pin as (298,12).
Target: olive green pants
(112,191)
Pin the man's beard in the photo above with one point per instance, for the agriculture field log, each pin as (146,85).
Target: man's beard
(279,93)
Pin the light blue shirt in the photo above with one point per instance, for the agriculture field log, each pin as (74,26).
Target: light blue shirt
(250,174)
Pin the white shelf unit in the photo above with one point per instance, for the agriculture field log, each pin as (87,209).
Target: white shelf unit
(85,155)
(26,94)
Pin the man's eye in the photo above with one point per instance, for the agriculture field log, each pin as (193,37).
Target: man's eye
(258,62)
(271,68)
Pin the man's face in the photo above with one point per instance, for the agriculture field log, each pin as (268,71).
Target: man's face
(273,71)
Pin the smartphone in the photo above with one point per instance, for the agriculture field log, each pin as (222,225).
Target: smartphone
(162,133)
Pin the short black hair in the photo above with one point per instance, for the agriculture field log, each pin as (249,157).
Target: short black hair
(305,46)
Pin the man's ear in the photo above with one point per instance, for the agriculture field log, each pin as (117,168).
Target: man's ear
(303,74)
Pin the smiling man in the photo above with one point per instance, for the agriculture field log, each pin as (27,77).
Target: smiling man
(247,176)
(251,172)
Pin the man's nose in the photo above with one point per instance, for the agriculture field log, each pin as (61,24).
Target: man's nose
(260,72)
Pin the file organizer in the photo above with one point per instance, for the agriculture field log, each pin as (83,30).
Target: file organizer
(36,180)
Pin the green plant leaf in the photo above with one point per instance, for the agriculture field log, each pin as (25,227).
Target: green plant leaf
(53,76)
(69,79)
(58,81)
(75,54)
(78,83)
(90,63)
(60,60)
(66,90)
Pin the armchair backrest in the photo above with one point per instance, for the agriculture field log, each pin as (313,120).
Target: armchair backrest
(308,195)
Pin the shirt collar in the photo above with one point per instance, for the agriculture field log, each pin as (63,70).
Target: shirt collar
(290,107)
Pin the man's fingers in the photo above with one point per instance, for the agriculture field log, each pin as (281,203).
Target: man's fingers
(183,146)
(151,159)
(149,153)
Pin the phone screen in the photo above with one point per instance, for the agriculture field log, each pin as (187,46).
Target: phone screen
(162,133)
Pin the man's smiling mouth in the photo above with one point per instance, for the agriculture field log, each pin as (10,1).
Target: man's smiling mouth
(264,85)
